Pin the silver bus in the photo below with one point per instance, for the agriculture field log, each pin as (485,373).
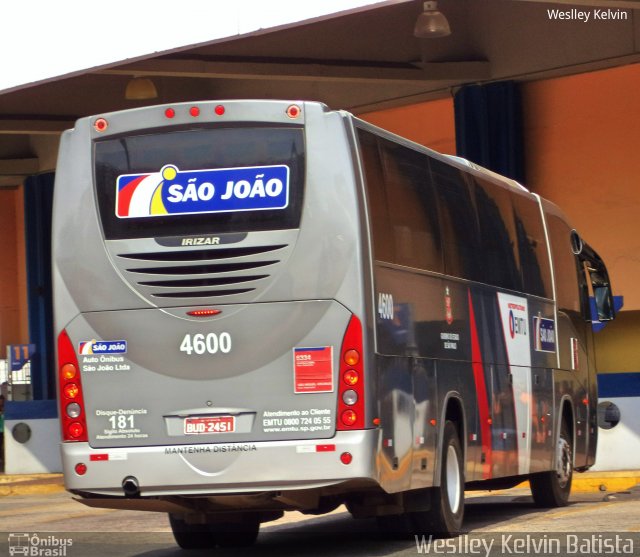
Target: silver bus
(264,306)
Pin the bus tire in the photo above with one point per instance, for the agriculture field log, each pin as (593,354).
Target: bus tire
(444,519)
(552,489)
(191,536)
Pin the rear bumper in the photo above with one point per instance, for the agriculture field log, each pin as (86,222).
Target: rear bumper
(223,468)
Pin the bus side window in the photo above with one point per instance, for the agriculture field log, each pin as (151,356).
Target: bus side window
(532,247)
(595,285)
(376,197)
(412,207)
(497,235)
(458,221)
(566,270)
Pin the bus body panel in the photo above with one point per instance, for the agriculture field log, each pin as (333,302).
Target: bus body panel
(455,326)
(208,469)
(309,288)
(232,373)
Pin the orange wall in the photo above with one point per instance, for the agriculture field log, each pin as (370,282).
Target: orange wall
(13,305)
(582,138)
(430,123)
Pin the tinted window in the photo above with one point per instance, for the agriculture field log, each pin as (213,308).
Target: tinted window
(413,212)
(564,264)
(532,247)
(402,204)
(498,244)
(199,149)
(458,221)
(376,197)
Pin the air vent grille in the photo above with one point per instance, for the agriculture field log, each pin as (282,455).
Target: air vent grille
(201,274)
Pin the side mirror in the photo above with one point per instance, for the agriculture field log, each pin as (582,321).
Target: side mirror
(604,302)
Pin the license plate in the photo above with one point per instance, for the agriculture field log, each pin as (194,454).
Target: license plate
(213,424)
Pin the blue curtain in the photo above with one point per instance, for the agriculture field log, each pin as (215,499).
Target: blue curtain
(489,127)
(38,203)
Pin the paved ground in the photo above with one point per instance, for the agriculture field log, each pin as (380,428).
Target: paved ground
(600,510)
(501,520)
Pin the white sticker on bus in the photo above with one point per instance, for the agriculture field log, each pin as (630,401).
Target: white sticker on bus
(514,315)
(385,306)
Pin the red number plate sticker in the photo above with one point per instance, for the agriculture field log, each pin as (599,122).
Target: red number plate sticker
(213,424)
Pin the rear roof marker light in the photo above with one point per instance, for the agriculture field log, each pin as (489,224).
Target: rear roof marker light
(293,111)
(194,111)
(100,125)
(170,113)
(219,110)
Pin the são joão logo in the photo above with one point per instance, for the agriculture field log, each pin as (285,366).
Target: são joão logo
(173,192)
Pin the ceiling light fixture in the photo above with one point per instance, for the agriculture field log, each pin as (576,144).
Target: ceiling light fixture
(431,23)
(140,89)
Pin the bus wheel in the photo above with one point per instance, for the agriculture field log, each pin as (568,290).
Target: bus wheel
(191,536)
(552,489)
(447,501)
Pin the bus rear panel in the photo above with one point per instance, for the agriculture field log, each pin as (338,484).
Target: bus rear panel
(208,277)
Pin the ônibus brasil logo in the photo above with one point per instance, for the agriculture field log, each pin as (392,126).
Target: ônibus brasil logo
(34,545)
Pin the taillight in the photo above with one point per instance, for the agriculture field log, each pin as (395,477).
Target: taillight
(72,414)
(351,388)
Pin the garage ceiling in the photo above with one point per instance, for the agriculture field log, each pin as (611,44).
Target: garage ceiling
(361,61)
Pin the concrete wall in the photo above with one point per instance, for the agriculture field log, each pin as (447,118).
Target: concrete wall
(581,143)
(431,124)
(40,453)
(13,281)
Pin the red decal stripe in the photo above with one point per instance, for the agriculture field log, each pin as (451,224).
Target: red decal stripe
(481,392)
(125,195)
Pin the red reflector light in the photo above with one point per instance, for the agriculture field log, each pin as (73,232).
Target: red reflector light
(204,312)
(71,390)
(100,125)
(98,457)
(293,111)
(351,377)
(325,448)
(219,110)
(351,357)
(194,111)
(169,113)
(69,371)
(75,429)
(346,458)
(349,417)
(81,469)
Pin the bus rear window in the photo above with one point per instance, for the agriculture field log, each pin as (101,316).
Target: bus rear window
(200,181)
